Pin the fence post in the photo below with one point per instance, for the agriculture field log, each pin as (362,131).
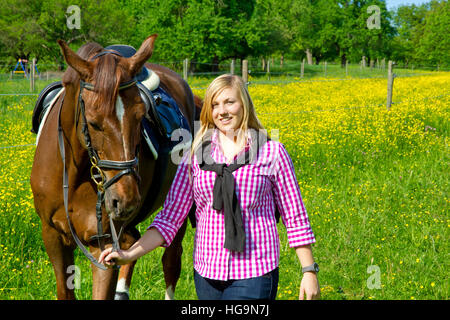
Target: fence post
(363,61)
(325,69)
(185,69)
(391,77)
(245,72)
(268,70)
(232,66)
(302,71)
(32,71)
(346,68)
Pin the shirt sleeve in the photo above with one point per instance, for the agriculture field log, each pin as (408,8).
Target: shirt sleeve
(177,205)
(289,201)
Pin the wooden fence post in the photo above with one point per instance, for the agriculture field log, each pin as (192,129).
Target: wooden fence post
(268,70)
(185,69)
(245,72)
(232,66)
(32,73)
(346,68)
(391,77)
(325,69)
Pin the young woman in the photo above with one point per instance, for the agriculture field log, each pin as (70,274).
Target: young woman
(238,179)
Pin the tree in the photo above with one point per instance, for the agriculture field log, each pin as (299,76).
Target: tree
(408,21)
(434,44)
(31,28)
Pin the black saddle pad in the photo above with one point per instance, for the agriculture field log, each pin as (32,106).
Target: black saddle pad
(43,102)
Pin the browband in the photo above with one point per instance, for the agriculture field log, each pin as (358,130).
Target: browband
(108,51)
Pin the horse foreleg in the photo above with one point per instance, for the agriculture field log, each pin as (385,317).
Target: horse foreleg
(124,282)
(171,261)
(129,237)
(61,257)
(103,281)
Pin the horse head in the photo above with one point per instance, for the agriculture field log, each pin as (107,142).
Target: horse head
(107,122)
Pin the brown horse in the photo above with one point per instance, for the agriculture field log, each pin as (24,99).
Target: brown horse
(111,118)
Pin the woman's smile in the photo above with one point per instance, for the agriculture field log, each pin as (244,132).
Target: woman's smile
(227,111)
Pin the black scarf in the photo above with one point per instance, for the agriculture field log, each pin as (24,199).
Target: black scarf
(224,193)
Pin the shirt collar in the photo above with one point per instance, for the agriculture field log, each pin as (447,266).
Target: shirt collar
(216,142)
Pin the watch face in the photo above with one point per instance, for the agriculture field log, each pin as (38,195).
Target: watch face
(316,267)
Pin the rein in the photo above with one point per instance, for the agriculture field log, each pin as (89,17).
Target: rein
(97,174)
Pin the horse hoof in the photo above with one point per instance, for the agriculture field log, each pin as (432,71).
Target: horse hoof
(121,296)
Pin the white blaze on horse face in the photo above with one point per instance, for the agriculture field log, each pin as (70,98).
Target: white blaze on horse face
(120,112)
(120,109)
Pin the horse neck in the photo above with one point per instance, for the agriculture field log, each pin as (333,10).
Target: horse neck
(74,149)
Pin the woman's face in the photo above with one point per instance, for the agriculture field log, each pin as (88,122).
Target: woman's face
(227,110)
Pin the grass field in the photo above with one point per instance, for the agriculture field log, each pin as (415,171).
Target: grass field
(375,185)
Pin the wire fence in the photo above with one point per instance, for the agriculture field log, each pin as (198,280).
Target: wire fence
(291,113)
(257,67)
(342,108)
(289,76)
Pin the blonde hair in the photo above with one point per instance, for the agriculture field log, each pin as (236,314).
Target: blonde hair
(249,120)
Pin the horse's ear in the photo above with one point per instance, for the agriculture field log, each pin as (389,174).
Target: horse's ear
(83,67)
(144,53)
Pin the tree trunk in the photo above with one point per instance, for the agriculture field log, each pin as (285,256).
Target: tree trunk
(309,57)
(215,64)
(343,60)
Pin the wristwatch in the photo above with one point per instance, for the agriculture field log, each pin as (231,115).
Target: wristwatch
(314,267)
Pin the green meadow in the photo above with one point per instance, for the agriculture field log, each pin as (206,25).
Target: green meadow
(375,184)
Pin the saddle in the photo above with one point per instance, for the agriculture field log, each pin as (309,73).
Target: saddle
(163,113)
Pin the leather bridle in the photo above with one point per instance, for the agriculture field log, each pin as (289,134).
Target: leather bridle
(96,170)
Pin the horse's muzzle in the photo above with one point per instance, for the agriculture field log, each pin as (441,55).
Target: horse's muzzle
(122,200)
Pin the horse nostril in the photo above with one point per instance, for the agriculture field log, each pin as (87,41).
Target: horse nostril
(115,204)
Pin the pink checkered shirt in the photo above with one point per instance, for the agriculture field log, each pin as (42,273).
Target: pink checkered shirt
(268,181)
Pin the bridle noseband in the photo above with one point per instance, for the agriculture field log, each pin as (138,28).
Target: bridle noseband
(96,170)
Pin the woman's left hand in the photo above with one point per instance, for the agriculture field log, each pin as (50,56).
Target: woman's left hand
(309,286)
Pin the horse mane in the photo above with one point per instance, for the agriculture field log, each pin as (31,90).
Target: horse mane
(104,74)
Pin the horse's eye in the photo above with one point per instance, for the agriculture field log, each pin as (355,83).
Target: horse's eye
(95,126)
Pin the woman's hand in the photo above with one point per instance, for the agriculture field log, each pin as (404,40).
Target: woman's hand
(109,257)
(151,239)
(309,286)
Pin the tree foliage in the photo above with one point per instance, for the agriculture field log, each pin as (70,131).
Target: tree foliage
(211,31)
